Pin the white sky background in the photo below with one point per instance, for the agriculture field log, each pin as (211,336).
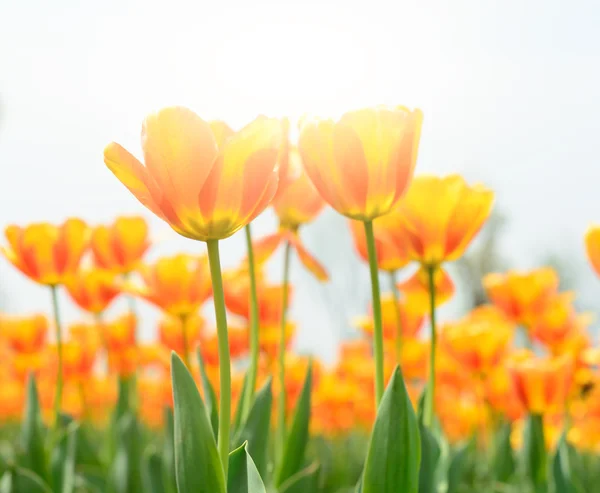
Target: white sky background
(509,91)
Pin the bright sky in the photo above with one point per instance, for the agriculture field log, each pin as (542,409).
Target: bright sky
(509,91)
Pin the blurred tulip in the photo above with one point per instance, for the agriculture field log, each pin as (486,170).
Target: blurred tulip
(92,289)
(592,245)
(296,202)
(542,385)
(238,345)
(416,289)
(171,333)
(557,318)
(522,295)
(120,246)
(24,334)
(362,164)
(45,253)
(501,394)
(178,285)
(119,334)
(461,415)
(202,190)
(440,217)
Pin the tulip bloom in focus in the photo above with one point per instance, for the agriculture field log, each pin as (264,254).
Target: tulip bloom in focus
(178,285)
(120,246)
(45,253)
(521,295)
(202,190)
(542,385)
(92,289)
(592,245)
(363,163)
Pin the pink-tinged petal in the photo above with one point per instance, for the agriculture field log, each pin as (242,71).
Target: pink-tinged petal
(179,152)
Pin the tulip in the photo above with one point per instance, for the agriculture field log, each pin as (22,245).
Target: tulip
(48,254)
(24,334)
(362,165)
(206,187)
(592,245)
(92,289)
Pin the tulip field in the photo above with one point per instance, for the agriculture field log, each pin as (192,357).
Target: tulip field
(502,399)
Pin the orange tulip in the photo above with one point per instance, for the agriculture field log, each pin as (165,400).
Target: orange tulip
(412,316)
(202,190)
(92,289)
(362,164)
(556,319)
(119,334)
(171,335)
(478,345)
(24,334)
(501,394)
(296,202)
(440,217)
(45,253)
(390,241)
(269,338)
(416,289)
(592,244)
(460,414)
(238,345)
(179,285)
(120,246)
(542,384)
(521,295)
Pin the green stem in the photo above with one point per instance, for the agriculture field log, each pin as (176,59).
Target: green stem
(59,350)
(254,343)
(396,298)
(281,354)
(430,396)
(377,324)
(184,340)
(224,360)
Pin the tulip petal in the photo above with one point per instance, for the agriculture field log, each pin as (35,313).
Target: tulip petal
(307,259)
(265,247)
(179,152)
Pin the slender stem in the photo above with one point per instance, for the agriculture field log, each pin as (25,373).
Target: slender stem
(281,353)
(224,360)
(254,343)
(377,324)
(184,341)
(59,350)
(430,396)
(398,311)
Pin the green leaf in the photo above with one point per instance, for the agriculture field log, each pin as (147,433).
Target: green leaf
(32,434)
(93,477)
(503,460)
(239,411)
(125,473)
(534,450)
(152,478)
(197,465)
(459,465)
(394,453)
(256,429)
(210,397)
(87,452)
(564,470)
(19,480)
(303,481)
(297,439)
(243,476)
(168,459)
(430,456)
(62,463)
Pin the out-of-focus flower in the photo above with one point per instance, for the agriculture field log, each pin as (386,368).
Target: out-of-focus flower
(236,286)
(415,354)
(477,344)
(120,246)
(412,316)
(333,407)
(553,428)
(238,344)
(78,360)
(542,384)
(92,289)
(440,217)
(202,190)
(46,253)
(461,414)
(269,336)
(178,285)
(501,394)
(119,334)
(556,320)
(363,163)
(391,244)
(296,202)
(155,394)
(170,332)
(592,245)
(24,334)
(416,288)
(521,295)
